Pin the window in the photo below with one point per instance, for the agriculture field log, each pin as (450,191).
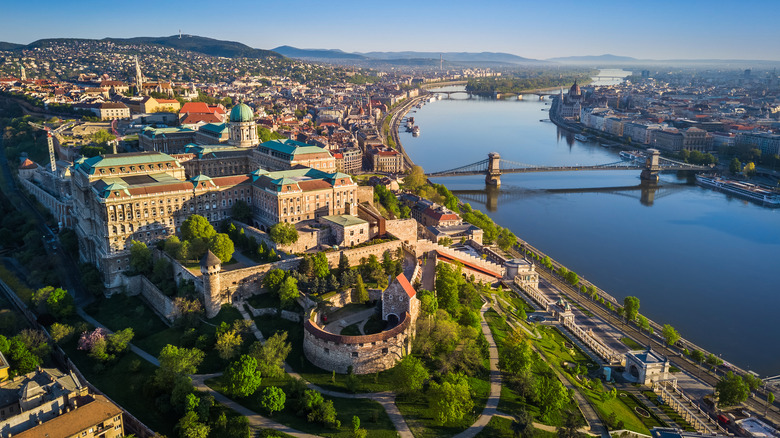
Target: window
(354,354)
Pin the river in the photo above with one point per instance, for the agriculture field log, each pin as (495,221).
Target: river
(699,260)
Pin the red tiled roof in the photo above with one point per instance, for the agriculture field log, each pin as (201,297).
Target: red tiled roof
(173,187)
(405,285)
(316,184)
(195,107)
(28,164)
(193,118)
(230,180)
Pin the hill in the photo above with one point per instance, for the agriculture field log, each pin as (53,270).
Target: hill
(497,57)
(9,46)
(198,44)
(294,52)
(594,58)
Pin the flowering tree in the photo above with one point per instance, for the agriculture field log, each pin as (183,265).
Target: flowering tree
(89,339)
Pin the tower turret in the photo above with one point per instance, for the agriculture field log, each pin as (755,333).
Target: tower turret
(210,266)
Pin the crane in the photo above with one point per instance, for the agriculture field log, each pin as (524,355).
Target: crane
(50,137)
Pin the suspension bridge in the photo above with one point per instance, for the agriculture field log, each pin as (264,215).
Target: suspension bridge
(494,166)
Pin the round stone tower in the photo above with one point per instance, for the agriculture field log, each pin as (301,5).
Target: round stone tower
(210,265)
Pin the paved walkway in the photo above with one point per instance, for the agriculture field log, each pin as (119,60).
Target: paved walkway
(335,327)
(650,406)
(144,355)
(491,407)
(256,421)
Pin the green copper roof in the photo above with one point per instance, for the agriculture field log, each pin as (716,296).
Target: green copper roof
(344,220)
(214,127)
(292,147)
(241,113)
(131,159)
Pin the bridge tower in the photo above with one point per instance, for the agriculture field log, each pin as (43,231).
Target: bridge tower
(493,174)
(652,166)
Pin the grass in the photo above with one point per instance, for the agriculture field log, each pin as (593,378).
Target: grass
(125,386)
(265,300)
(372,415)
(351,330)
(671,413)
(500,427)
(632,402)
(414,408)
(122,311)
(632,344)
(374,325)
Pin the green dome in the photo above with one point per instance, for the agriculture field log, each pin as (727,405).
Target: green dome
(241,113)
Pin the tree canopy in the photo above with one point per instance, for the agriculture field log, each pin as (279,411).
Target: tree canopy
(670,335)
(284,233)
(631,306)
(732,390)
(242,377)
(197,227)
(222,247)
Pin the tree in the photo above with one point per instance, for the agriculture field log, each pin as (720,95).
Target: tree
(242,377)
(120,340)
(222,247)
(506,239)
(571,426)
(450,401)
(732,390)
(409,375)
(749,170)
(190,427)
(516,356)
(321,268)
(428,303)
(288,292)
(735,166)
(57,302)
(643,322)
(284,233)
(361,293)
(271,355)
(343,262)
(713,361)
(187,311)
(273,399)
(228,344)
(697,356)
(61,332)
(415,179)
(176,361)
(140,257)
(241,211)
(670,335)
(173,247)
(197,227)
(273,280)
(102,137)
(523,425)
(572,278)
(770,399)
(631,306)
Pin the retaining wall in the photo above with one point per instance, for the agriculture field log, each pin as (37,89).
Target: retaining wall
(157,301)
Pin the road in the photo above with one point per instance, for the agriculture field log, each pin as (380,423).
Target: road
(674,356)
(67,269)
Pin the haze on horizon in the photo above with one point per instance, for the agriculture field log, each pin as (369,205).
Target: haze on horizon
(660,29)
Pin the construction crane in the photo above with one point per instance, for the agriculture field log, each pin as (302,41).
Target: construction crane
(50,137)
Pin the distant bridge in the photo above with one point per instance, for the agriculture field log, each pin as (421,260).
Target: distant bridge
(497,95)
(494,166)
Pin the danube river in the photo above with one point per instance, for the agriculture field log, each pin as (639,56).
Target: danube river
(699,260)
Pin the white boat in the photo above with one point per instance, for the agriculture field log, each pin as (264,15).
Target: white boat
(416,131)
(580,137)
(632,156)
(753,192)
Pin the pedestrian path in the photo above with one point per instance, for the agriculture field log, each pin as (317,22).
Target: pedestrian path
(650,406)
(144,355)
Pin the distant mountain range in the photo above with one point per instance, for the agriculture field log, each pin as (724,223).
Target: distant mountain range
(592,58)
(450,57)
(198,44)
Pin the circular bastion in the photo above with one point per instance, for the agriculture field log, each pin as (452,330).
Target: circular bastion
(365,354)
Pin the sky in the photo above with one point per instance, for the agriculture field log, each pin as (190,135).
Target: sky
(541,29)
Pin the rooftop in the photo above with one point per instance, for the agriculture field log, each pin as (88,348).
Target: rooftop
(344,220)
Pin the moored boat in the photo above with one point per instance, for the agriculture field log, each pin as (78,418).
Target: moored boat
(754,192)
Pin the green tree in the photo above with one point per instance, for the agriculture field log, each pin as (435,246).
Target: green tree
(140,257)
(670,335)
(749,170)
(61,333)
(732,390)
(572,423)
(57,302)
(552,395)
(271,355)
(450,401)
(516,356)
(409,375)
(189,427)
(273,399)
(273,280)
(242,377)
(770,399)
(120,340)
(288,292)
(222,247)
(343,262)
(697,356)
(428,303)
(415,179)
(176,361)
(643,322)
(735,166)
(572,278)
(228,344)
(173,247)
(321,268)
(197,227)
(102,137)
(713,361)
(506,239)
(523,425)
(241,211)
(284,233)
(631,306)
(361,293)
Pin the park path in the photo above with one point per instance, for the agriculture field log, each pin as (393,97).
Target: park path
(256,421)
(491,407)
(335,327)
(144,355)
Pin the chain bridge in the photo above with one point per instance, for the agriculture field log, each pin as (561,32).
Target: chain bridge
(494,166)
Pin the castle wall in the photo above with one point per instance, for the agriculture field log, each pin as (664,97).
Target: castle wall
(403,229)
(365,354)
(158,302)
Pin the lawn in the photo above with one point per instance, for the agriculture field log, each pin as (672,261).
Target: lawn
(122,311)
(372,415)
(351,330)
(653,397)
(265,300)
(125,386)
(632,344)
(500,427)
(637,406)
(414,408)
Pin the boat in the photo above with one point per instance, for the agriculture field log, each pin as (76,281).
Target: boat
(580,137)
(416,131)
(753,192)
(632,156)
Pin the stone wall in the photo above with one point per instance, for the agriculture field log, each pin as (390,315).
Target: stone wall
(365,354)
(180,272)
(291,316)
(355,254)
(341,299)
(158,302)
(57,208)
(247,281)
(403,229)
